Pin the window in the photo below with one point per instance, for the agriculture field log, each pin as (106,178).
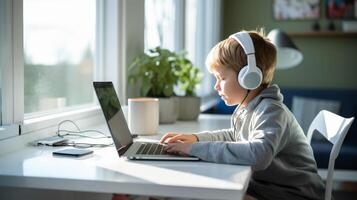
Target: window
(50,51)
(160,20)
(115,36)
(59,54)
(202,32)
(193,25)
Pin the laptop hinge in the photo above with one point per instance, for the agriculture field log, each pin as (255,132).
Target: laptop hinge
(123,149)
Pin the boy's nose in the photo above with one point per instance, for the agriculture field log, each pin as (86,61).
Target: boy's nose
(216,86)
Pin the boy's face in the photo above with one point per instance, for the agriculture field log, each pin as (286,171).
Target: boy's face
(228,87)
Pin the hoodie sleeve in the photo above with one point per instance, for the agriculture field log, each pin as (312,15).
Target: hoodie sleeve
(267,127)
(217,135)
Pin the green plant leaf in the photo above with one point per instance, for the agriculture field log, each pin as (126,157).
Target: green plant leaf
(159,70)
(146,87)
(168,91)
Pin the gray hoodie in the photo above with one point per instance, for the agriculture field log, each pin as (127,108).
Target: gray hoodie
(268,138)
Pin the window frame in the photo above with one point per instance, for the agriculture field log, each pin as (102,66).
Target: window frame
(179,33)
(112,36)
(11,59)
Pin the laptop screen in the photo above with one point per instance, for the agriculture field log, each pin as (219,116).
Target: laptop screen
(113,113)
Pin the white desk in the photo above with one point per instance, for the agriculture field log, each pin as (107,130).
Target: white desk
(104,171)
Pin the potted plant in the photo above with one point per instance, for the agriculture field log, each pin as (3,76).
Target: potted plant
(155,72)
(188,79)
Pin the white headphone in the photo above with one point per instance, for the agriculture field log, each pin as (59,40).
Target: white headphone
(250,76)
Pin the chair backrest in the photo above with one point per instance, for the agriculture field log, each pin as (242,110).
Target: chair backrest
(334,128)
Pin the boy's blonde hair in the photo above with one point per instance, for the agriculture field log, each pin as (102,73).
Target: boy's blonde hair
(229,53)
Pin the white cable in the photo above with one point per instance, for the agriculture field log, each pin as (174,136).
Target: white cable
(79,132)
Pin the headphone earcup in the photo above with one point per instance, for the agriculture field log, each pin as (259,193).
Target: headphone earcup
(241,76)
(250,80)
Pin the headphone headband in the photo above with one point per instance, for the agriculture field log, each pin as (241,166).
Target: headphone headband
(244,39)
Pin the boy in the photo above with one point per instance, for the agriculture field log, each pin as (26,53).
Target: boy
(264,133)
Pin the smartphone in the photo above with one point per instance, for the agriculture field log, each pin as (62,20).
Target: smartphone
(73,152)
(52,141)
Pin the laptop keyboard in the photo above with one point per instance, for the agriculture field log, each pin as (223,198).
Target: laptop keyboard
(151,149)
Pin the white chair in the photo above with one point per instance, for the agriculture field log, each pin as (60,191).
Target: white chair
(334,128)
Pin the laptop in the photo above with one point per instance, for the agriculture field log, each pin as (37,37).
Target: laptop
(120,132)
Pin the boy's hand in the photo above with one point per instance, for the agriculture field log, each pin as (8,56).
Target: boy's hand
(175,137)
(179,148)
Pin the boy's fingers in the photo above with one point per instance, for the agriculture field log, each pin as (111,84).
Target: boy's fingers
(174,148)
(176,138)
(168,135)
(170,147)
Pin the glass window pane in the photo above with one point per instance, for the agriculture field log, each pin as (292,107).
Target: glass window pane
(59,39)
(159,23)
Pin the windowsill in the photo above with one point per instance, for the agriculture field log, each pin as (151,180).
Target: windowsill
(45,126)
(45,121)
(9,131)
